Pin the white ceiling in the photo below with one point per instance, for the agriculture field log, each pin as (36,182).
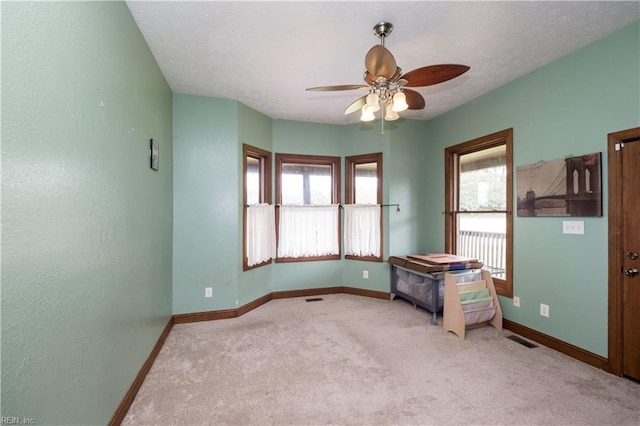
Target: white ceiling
(264,54)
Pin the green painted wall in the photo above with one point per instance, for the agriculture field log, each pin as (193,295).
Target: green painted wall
(208,138)
(206,227)
(566,108)
(86,224)
(409,151)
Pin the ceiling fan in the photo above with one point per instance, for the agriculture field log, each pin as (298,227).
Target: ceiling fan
(387,85)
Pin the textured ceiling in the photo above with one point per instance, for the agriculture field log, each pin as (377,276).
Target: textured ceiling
(264,54)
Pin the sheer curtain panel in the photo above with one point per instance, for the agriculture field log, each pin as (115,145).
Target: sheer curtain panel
(308,231)
(261,233)
(362,230)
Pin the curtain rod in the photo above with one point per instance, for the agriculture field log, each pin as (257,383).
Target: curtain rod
(396,205)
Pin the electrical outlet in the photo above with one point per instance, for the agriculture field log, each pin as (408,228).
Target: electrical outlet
(365,275)
(208,292)
(544,310)
(516,301)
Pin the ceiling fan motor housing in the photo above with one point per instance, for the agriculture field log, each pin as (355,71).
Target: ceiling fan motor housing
(382,30)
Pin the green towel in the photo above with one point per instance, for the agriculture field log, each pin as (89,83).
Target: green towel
(468,302)
(474,295)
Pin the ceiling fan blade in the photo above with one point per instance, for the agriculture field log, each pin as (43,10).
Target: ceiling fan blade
(434,74)
(370,79)
(380,62)
(396,75)
(414,99)
(336,88)
(356,105)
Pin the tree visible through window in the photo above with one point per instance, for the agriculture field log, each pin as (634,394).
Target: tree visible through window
(479,202)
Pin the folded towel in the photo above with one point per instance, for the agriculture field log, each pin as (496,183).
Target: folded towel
(474,295)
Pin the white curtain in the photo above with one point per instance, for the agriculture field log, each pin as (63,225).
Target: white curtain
(261,233)
(306,231)
(362,230)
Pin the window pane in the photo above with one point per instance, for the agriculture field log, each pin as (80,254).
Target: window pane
(292,191)
(483,180)
(306,184)
(484,236)
(320,192)
(366,183)
(252,180)
(479,197)
(257,247)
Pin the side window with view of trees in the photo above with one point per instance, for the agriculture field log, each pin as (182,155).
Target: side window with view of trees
(479,203)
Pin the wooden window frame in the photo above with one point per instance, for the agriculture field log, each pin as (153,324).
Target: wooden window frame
(350,164)
(312,160)
(265,192)
(504,287)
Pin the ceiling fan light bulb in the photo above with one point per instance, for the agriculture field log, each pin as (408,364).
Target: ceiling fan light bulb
(399,102)
(367,115)
(391,115)
(373,103)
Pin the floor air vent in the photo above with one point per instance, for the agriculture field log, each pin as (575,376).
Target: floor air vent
(523,342)
(314,299)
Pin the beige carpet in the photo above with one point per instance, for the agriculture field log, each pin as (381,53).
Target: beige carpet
(356,360)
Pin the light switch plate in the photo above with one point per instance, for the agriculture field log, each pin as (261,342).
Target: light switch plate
(573,227)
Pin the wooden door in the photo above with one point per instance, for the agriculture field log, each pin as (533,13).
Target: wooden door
(624,252)
(631,259)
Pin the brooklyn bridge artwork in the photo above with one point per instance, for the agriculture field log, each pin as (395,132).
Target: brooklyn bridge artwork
(567,187)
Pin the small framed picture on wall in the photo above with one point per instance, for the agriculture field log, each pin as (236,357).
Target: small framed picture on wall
(154,154)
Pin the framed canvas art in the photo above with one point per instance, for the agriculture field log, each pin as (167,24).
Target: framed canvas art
(566,187)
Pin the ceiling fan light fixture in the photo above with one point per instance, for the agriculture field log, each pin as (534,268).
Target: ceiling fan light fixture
(399,102)
(367,115)
(385,82)
(373,102)
(391,115)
